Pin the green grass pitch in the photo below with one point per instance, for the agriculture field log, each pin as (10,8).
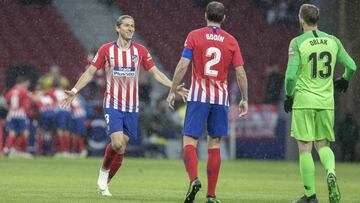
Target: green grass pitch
(140,180)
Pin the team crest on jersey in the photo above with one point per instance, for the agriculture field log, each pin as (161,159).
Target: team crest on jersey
(134,58)
(124,72)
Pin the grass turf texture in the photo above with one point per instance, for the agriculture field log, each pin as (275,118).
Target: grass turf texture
(74,180)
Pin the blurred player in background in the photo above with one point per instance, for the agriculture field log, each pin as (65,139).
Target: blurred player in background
(62,123)
(18,100)
(121,60)
(45,104)
(212,52)
(78,128)
(309,96)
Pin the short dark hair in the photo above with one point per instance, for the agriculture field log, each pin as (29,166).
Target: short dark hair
(215,11)
(310,14)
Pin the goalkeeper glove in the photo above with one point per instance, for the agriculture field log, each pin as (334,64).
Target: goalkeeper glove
(341,84)
(288,103)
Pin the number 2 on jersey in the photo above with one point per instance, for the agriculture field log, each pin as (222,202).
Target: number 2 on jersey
(217,55)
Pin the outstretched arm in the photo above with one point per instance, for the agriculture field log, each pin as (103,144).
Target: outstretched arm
(179,74)
(243,85)
(84,79)
(160,76)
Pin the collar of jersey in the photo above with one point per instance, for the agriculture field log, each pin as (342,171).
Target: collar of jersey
(120,47)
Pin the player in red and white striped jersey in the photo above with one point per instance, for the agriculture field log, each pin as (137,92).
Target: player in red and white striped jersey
(212,52)
(121,60)
(46,105)
(78,128)
(18,100)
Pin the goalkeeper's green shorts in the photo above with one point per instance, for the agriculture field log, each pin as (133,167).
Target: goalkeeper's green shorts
(312,124)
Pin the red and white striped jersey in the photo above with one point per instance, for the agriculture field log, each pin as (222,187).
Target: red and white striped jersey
(122,74)
(77,108)
(44,101)
(213,52)
(18,100)
(59,95)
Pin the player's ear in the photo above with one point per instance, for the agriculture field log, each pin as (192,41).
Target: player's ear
(206,17)
(223,20)
(117,28)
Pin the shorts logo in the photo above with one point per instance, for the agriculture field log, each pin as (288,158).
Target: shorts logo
(124,71)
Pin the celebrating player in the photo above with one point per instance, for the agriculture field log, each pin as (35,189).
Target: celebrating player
(18,100)
(212,51)
(309,96)
(121,60)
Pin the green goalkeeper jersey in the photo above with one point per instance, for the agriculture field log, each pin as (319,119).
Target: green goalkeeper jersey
(310,69)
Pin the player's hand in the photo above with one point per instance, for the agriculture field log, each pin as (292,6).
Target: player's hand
(243,108)
(182,91)
(288,103)
(171,100)
(341,85)
(70,96)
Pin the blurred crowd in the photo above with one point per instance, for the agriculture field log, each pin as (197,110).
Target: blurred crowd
(280,11)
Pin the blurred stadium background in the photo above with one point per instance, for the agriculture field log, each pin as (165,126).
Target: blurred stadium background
(53,38)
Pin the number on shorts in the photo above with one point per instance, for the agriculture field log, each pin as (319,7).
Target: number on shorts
(107,118)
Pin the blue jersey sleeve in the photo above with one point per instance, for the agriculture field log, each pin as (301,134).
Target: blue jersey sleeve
(187,53)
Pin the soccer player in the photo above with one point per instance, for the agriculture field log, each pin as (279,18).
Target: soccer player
(121,60)
(45,104)
(78,127)
(212,51)
(62,122)
(18,100)
(309,96)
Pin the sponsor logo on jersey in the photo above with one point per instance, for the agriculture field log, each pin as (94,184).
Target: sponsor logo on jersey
(124,71)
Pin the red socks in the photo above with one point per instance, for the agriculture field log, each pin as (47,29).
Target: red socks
(115,165)
(24,143)
(191,161)
(9,141)
(108,157)
(213,168)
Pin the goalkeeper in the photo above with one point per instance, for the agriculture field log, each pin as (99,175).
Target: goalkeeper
(309,96)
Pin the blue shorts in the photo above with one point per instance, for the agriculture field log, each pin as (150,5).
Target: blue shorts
(78,126)
(213,115)
(119,121)
(46,120)
(18,125)
(63,120)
